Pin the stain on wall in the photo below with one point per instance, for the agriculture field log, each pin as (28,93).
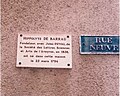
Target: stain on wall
(91,75)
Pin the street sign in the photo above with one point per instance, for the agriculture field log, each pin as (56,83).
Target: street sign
(99,44)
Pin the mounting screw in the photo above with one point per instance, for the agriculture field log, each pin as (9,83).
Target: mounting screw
(68,64)
(83,43)
(20,35)
(67,36)
(19,63)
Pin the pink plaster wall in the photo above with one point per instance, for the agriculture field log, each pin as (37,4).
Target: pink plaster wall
(91,75)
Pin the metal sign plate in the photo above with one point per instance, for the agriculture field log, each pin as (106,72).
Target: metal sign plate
(99,44)
(44,51)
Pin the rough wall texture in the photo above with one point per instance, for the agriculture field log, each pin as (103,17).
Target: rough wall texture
(91,75)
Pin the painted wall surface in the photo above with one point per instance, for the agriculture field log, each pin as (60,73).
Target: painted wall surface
(91,75)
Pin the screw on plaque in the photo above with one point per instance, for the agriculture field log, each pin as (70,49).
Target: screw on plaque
(20,35)
(67,36)
(19,63)
(68,64)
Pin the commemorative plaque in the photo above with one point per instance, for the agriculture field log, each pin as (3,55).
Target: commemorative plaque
(99,44)
(44,51)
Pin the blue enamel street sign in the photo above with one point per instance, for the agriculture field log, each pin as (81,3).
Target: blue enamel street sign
(99,44)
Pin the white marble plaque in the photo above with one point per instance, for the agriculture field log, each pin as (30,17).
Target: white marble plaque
(44,51)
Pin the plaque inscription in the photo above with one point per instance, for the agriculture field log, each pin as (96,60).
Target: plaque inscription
(44,51)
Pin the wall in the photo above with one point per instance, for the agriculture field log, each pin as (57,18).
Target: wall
(91,75)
